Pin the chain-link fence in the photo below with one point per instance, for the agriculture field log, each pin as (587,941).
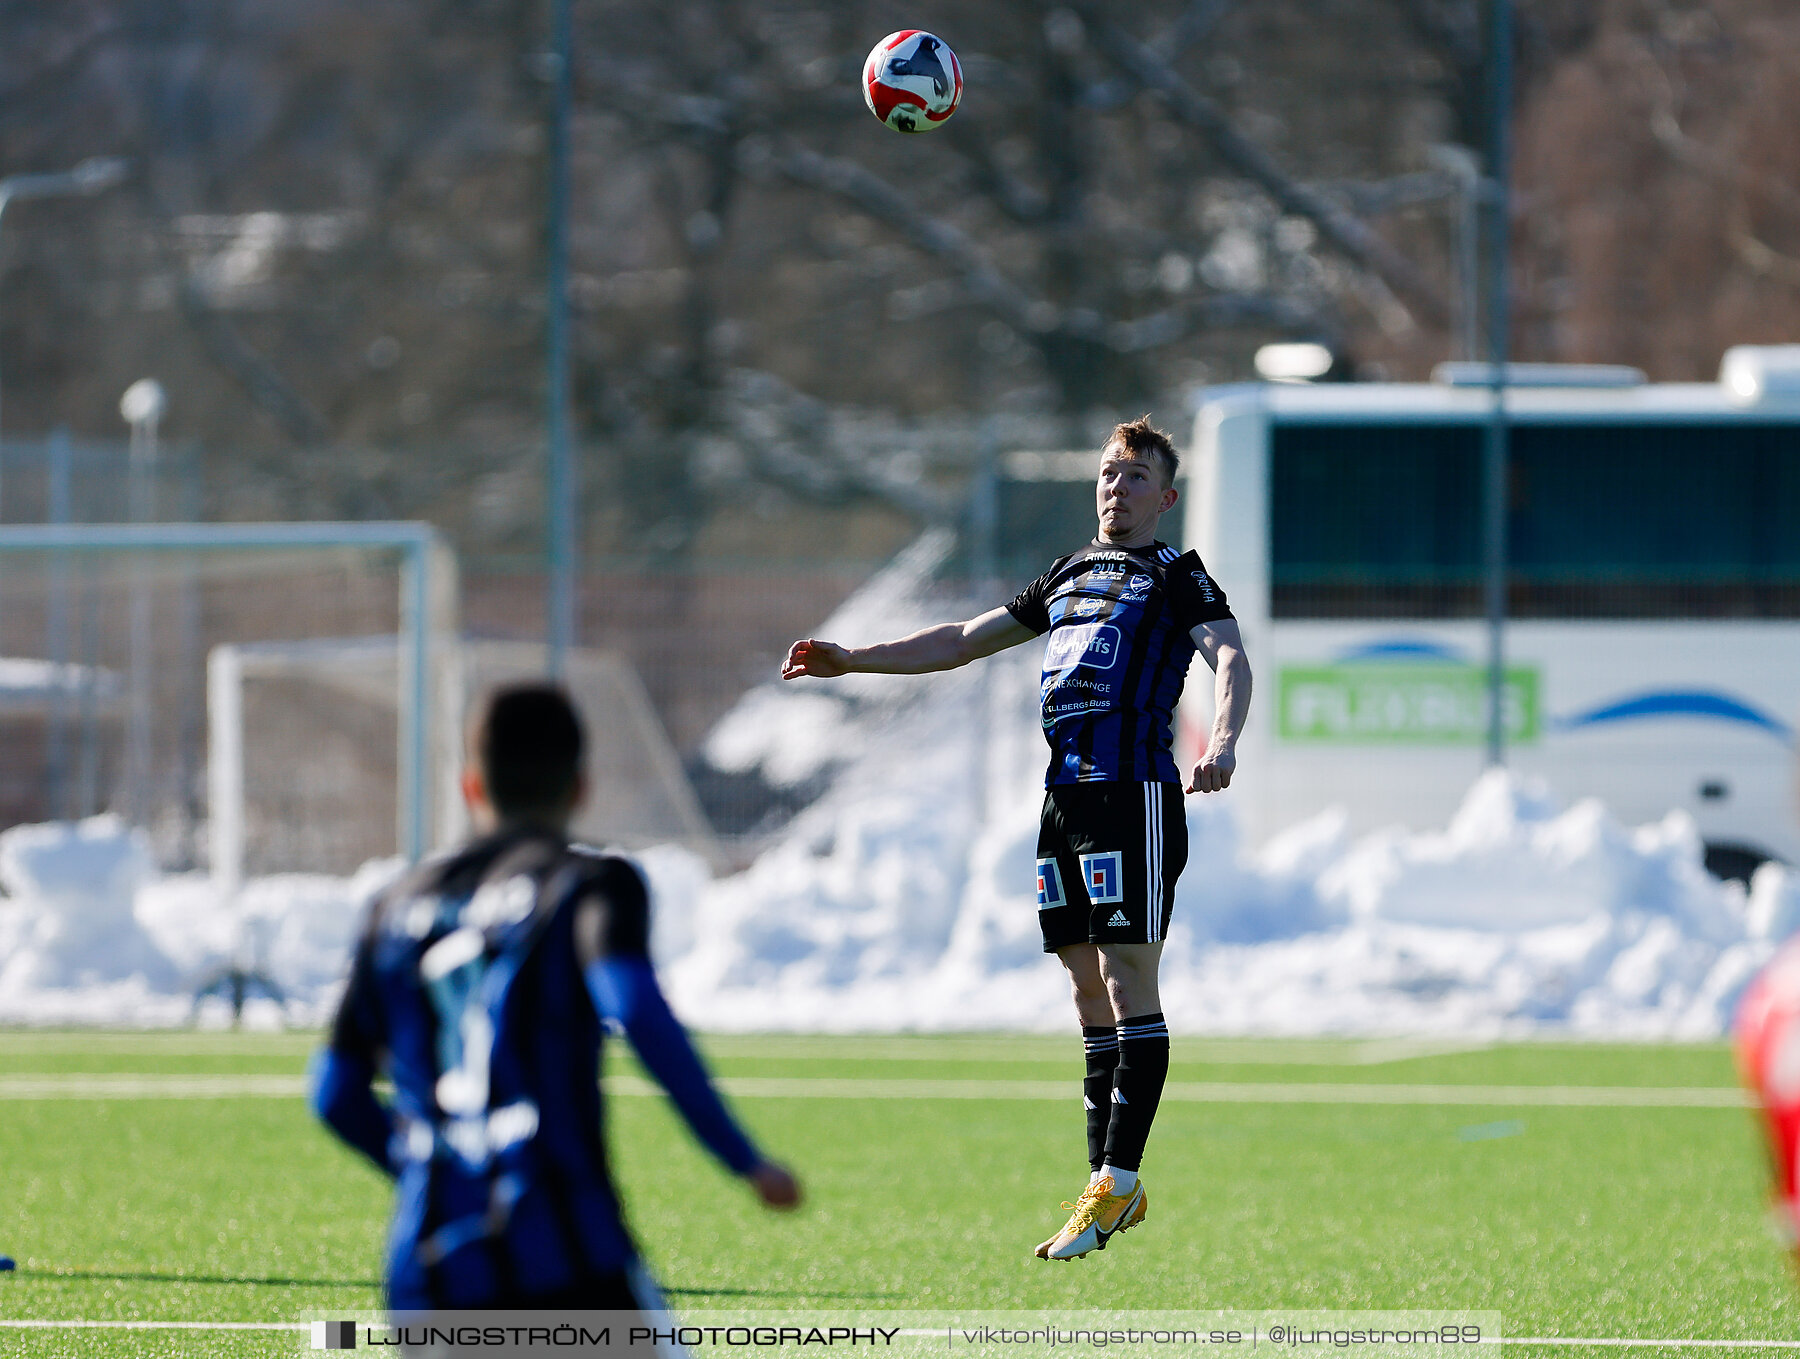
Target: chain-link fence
(104,660)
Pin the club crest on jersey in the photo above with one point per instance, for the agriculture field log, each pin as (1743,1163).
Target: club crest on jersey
(1104,875)
(1136,589)
(1050,892)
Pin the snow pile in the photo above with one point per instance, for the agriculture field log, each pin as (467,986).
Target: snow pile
(73,926)
(892,905)
(792,735)
(904,896)
(900,907)
(91,934)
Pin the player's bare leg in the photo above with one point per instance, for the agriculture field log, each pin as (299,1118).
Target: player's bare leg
(1129,974)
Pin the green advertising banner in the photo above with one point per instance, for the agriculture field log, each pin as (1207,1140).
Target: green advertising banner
(1402,704)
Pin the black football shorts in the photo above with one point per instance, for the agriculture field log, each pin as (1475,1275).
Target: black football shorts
(1107,859)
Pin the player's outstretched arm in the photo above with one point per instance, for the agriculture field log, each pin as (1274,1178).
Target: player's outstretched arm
(339,1091)
(944,647)
(1223,646)
(775,1185)
(624,989)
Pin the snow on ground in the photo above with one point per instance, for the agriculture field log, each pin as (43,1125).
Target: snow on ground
(893,904)
(904,898)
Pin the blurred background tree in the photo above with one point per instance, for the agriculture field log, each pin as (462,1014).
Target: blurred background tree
(331,249)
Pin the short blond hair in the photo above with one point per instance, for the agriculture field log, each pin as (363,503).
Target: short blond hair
(1139,437)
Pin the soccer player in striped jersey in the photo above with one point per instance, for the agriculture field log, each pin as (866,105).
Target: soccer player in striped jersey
(1123,618)
(480,988)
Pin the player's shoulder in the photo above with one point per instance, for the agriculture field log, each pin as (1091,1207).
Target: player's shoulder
(602,862)
(1183,566)
(1191,580)
(423,881)
(607,873)
(609,904)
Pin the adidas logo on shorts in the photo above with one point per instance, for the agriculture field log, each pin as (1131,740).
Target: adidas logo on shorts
(1118,918)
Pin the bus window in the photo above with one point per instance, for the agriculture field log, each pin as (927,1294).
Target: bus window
(1605,521)
(1666,520)
(1375,521)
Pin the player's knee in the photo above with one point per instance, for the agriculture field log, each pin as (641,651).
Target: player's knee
(1089,990)
(1131,1001)
(1131,992)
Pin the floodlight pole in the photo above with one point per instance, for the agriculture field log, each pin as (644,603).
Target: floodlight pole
(142,408)
(1495,452)
(560,483)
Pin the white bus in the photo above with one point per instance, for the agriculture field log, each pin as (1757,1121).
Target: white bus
(1653,635)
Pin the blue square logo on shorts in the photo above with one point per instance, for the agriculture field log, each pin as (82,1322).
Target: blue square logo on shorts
(1050,892)
(1104,875)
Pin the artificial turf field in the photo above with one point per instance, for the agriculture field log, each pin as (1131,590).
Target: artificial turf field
(1515,1179)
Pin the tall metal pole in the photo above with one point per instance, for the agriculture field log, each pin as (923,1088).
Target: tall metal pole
(142,407)
(56,624)
(1495,450)
(561,479)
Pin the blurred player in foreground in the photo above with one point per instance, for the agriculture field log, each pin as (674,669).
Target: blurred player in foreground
(1124,617)
(1768,1049)
(479,988)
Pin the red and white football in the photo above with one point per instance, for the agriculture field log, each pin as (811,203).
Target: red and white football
(912,81)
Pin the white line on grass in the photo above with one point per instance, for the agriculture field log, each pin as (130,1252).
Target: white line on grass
(990,1048)
(1557,1340)
(19,1324)
(154,1043)
(67,1324)
(923,1047)
(94,1086)
(79,1085)
(1623,1341)
(1228,1092)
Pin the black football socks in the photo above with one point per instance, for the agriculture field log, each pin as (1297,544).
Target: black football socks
(1137,1089)
(1101,1045)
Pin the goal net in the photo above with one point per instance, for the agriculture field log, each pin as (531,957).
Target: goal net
(331,738)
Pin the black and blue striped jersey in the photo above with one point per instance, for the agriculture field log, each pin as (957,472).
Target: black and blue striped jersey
(1118,621)
(479,987)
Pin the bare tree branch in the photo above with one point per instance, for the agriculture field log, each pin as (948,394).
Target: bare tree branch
(1695,155)
(1018,200)
(802,458)
(1196,24)
(1218,311)
(875,196)
(1347,233)
(1372,197)
(1452,26)
(1032,316)
(290,411)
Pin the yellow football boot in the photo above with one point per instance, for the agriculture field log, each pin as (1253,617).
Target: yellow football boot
(1099,1214)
